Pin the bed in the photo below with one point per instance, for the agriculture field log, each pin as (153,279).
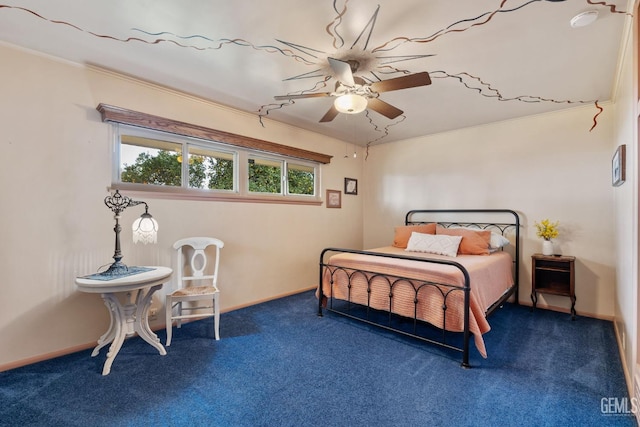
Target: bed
(432,288)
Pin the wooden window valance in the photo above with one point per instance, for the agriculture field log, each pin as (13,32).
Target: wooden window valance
(121,115)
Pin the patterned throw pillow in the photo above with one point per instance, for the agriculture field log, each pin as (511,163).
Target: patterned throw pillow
(434,244)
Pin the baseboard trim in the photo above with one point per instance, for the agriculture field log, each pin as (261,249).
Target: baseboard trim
(260,301)
(46,356)
(568,311)
(86,346)
(631,389)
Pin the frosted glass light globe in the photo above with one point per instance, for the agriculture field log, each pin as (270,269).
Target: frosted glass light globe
(350,104)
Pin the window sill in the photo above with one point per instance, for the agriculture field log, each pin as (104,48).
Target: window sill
(177,193)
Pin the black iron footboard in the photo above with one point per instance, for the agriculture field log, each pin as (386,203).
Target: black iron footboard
(444,290)
(386,318)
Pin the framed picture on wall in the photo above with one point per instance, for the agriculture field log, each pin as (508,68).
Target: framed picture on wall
(351,186)
(618,166)
(334,199)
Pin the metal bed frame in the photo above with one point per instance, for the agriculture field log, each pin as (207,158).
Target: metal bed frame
(423,215)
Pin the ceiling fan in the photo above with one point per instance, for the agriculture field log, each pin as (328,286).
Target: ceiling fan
(354,95)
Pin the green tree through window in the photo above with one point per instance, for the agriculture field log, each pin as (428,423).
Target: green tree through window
(300,181)
(166,169)
(221,174)
(162,169)
(265,176)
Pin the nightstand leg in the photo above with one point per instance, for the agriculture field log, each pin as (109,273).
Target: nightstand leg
(573,307)
(534,300)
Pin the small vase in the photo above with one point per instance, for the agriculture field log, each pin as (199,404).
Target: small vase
(547,247)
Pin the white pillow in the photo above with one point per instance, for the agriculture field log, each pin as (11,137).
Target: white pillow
(497,240)
(440,244)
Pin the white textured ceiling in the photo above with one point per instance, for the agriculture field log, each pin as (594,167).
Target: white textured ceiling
(489,60)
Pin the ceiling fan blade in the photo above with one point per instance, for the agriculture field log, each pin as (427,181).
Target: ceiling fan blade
(384,108)
(405,82)
(342,70)
(302,95)
(330,115)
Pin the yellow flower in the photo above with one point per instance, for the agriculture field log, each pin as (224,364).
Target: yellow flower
(546,229)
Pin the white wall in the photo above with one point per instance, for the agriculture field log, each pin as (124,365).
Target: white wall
(56,169)
(546,166)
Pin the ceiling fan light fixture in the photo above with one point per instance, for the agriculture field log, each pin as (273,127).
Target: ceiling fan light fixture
(350,103)
(583,19)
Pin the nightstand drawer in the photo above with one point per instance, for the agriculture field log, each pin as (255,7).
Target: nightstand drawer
(544,264)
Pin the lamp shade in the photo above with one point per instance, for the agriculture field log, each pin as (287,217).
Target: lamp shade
(145,229)
(350,103)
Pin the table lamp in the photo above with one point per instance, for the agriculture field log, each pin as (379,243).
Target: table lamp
(145,230)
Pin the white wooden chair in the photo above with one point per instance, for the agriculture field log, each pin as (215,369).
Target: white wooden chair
(197,292)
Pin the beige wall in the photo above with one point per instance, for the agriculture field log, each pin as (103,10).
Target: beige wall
(56,169)
(546,166)
(626,209)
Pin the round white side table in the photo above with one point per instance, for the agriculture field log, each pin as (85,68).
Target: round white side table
(128,300)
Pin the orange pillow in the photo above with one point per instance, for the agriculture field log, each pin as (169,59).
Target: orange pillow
(403,233)
(473,242)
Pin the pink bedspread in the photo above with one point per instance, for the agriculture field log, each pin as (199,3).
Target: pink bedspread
(490,277)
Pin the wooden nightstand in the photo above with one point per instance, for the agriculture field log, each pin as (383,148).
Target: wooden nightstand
(554,275)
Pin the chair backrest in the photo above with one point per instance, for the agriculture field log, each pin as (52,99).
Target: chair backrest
(198,259)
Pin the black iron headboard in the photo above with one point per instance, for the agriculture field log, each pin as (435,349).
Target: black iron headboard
(504,221)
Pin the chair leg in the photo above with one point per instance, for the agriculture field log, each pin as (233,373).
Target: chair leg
(216,316)
(179,319)
(168,311)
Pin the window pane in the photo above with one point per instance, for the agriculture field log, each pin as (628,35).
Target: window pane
(300,179)
(210,169)
(265,176)
(150,161)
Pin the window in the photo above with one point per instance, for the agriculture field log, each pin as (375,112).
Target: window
(267,175)
(301,179)
(149,160)
(211,169)
(264,175)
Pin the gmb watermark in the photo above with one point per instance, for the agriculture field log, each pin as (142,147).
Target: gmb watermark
(619,406)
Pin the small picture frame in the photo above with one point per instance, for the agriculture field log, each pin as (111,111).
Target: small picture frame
(618,166)
(351,186)
(334,199)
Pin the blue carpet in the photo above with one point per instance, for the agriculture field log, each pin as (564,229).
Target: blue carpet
(278,364)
